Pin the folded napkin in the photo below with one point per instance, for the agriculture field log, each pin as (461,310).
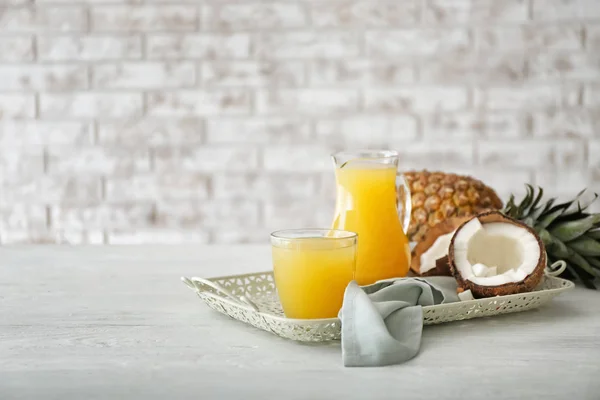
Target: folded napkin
(382,323)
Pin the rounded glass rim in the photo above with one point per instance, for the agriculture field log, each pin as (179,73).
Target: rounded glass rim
(287,234)
(368,153)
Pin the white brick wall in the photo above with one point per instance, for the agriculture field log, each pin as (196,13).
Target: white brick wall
(147,18)
(88,47)
(17,105)
(43,19)
(169,103)
(16,48)
(198,46)
(49,78)
(230,17)
(416,42)
(89,105)
(212,122)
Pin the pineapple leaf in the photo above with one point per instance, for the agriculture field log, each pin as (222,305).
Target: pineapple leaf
(579,261)
(565,206)
(546,238)
(589,203)
(587,282)
(548,219)
(581,207)
(555,246)
(510,209)
(550,202)
(586,246)
(511,201)
(538,198)
(549,205)
(567,231)
(533,208)
(569,207)
(573,217)
(527,200)
(595,234)
(560,206)
(536,213)
(594,261)
(580,272)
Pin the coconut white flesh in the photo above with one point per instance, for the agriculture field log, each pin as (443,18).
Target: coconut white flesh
(468,230)
(496,253)
(438,249)
(481,270)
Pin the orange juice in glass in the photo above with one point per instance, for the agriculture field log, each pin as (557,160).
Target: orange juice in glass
(312,268)
(374,201)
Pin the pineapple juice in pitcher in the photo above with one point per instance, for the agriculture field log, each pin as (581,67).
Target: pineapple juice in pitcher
(371,201)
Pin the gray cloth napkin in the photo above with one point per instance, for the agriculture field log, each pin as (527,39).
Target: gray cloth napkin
(382,323)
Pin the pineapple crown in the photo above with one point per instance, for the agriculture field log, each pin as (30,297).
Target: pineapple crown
(568,231)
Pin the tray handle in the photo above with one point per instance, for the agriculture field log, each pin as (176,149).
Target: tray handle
(556,269)
(195,282)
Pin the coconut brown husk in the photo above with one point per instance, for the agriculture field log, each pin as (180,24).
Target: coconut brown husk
(441,265)
(526,285)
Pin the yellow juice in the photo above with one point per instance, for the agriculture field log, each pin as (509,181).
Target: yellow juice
(366,204)
(311,276)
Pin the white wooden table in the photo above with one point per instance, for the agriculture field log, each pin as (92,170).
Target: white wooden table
(117,323)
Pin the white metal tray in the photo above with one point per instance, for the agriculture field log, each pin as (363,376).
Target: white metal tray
(252,298)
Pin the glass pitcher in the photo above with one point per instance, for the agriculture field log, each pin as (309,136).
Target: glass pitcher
(374,201)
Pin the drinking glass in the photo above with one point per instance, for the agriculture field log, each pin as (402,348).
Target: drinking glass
(312,268)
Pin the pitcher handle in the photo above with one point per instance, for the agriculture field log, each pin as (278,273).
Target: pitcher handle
(403,201)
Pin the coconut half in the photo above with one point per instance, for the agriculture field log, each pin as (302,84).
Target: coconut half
(429,257)
(494,255)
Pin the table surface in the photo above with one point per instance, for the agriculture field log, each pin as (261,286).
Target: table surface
(116,323)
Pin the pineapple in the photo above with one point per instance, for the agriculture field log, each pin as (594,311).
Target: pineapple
(437,196)
(569,232)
